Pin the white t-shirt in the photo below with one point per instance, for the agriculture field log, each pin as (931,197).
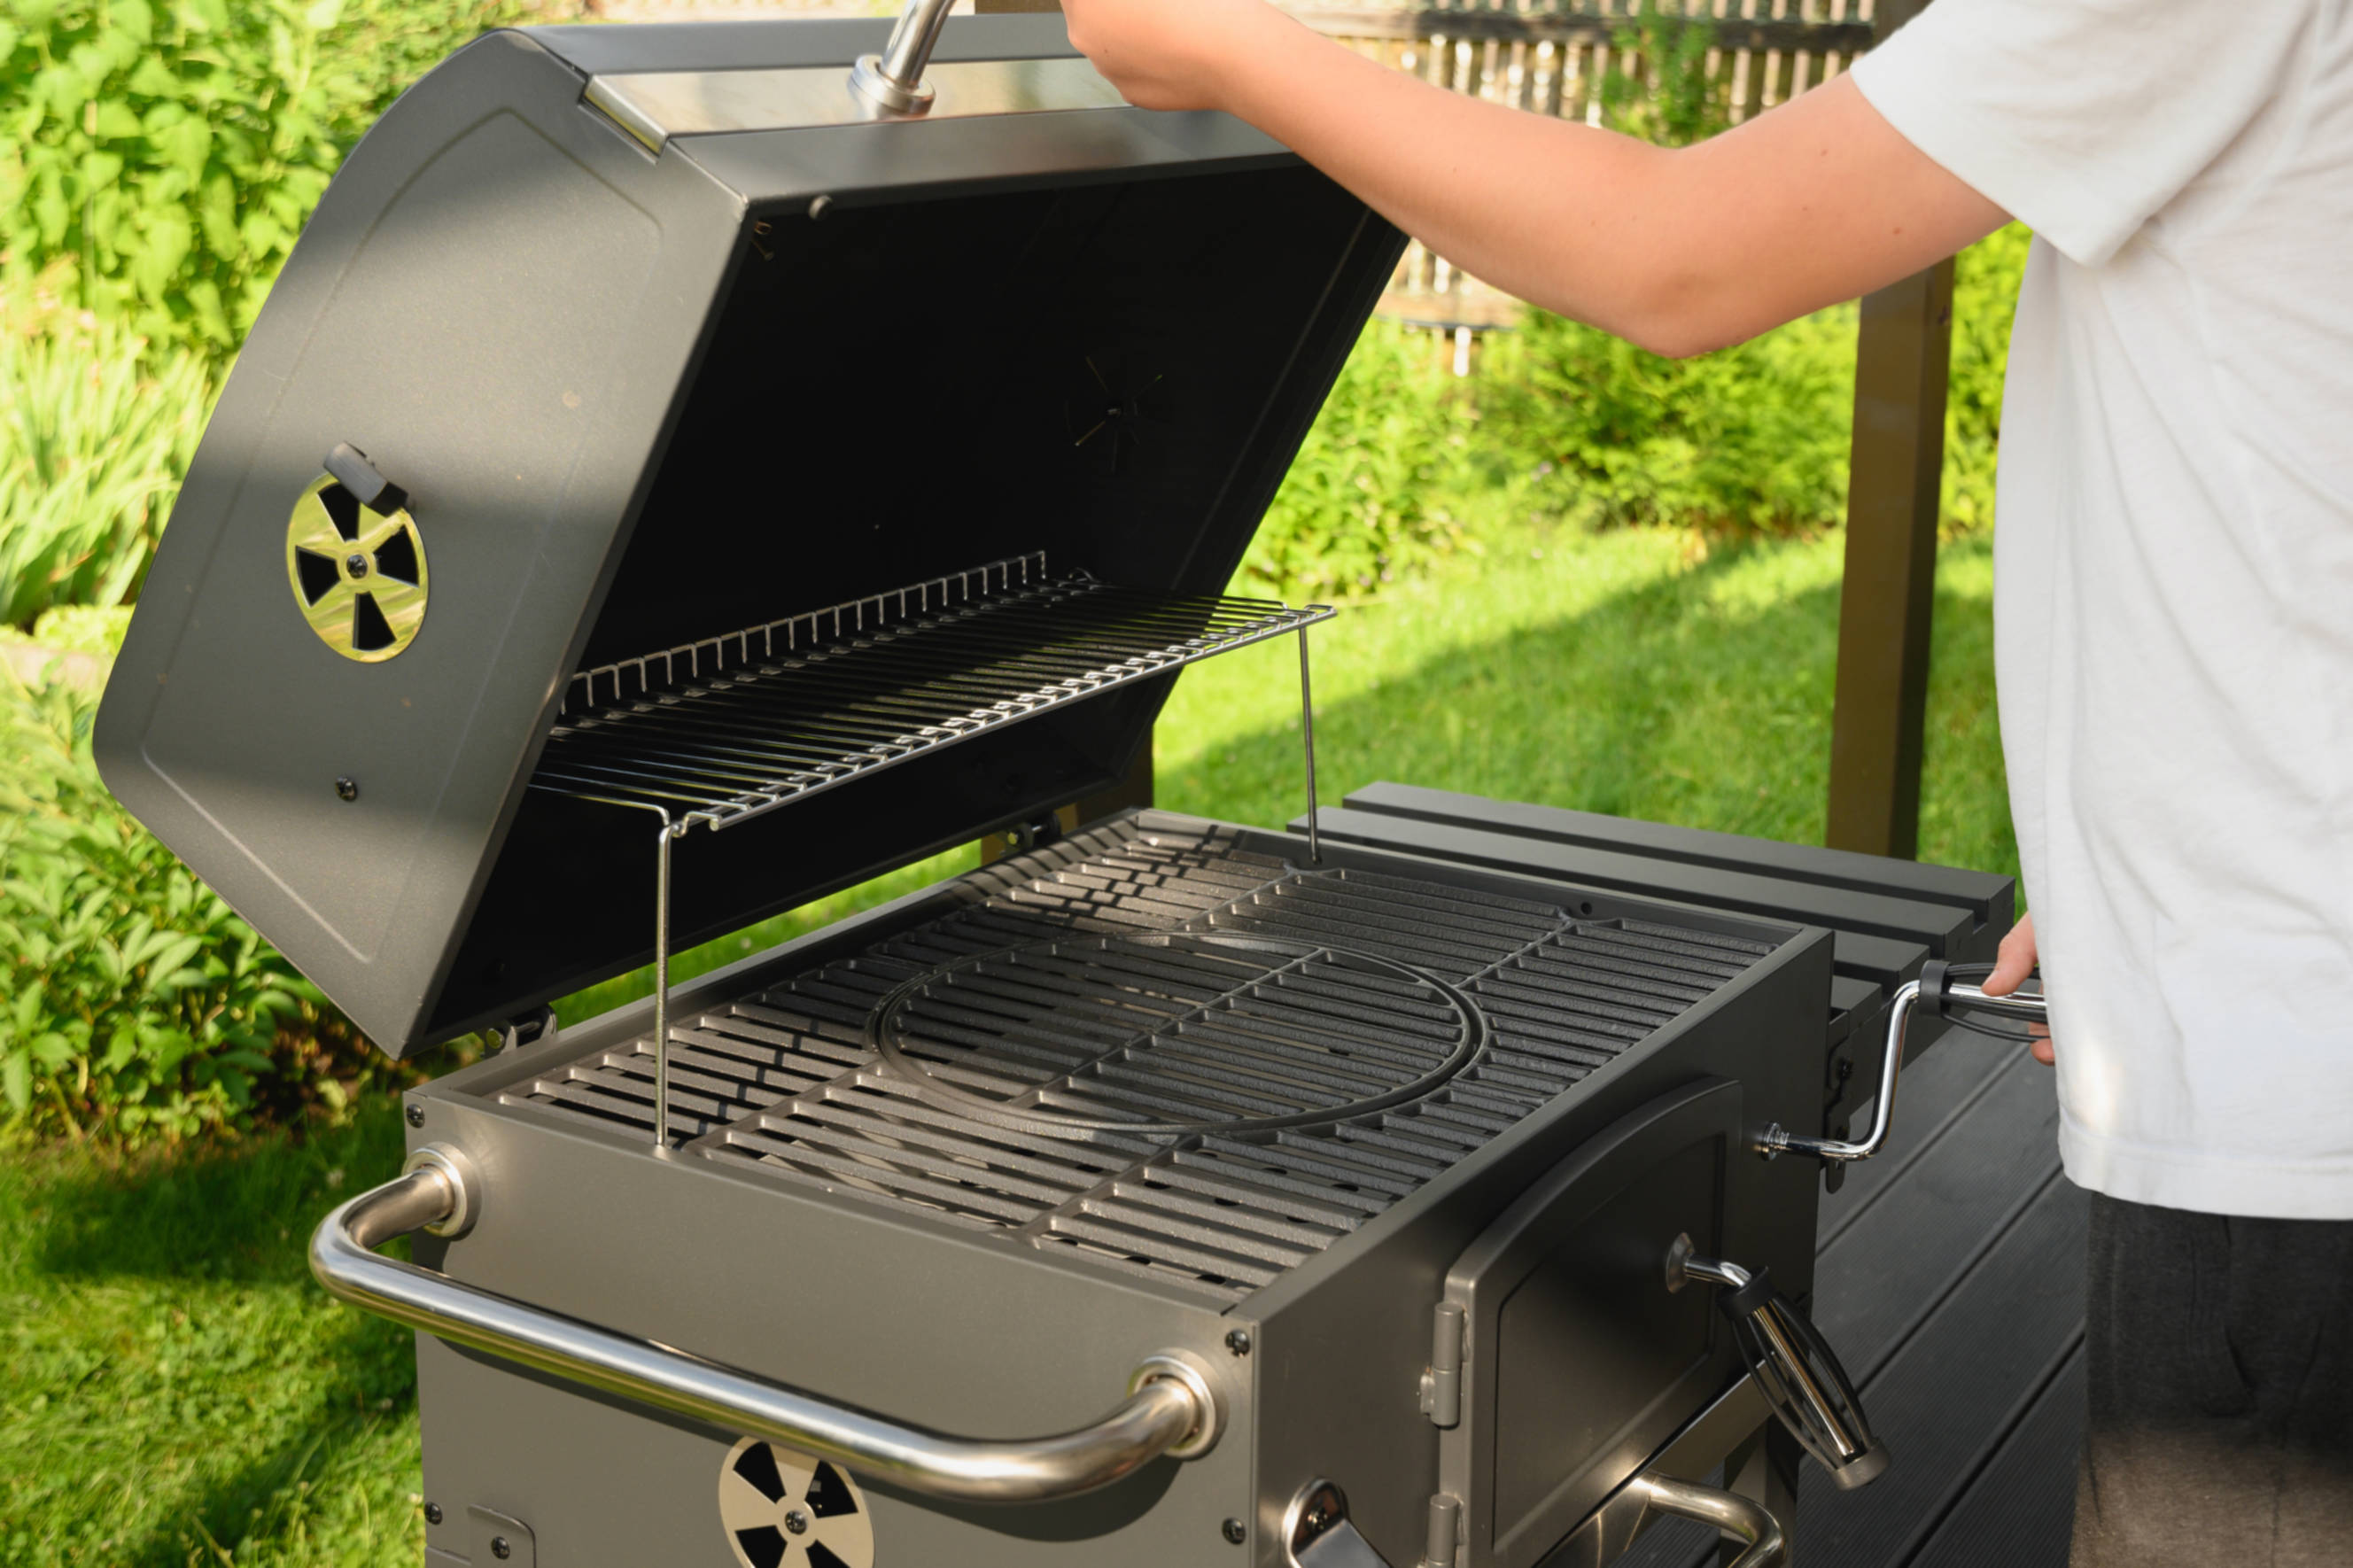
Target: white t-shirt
(2173,596)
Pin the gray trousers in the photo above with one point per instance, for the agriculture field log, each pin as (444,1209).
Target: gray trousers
(2222,1392)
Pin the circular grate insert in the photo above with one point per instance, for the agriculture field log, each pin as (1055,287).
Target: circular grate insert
(1175,1033)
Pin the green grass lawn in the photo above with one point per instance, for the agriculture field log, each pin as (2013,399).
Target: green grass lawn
(174,1390)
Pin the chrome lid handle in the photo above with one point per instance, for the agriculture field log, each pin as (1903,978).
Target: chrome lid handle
(894,78)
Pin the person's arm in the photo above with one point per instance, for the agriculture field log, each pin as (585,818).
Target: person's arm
(1679,250)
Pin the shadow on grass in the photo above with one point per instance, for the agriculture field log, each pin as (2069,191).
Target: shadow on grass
(1594,709)
(372,1387)
(234,1213)
(1668,701)
(201,1381)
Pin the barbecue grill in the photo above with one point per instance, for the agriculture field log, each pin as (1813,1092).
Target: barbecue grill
(686,470)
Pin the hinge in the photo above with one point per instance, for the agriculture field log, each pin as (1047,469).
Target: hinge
(499,1539)
(1444,1543)
(1442,1381)
(1046,829)
(527,1029)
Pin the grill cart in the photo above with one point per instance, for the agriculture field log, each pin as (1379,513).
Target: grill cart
(685,470)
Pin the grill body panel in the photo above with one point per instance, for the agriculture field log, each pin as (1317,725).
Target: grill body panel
(822,1225)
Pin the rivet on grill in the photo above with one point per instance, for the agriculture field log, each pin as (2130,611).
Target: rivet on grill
(1236,1532)
(1239,1342)
(432,1513)
(500,1549)
(417,1116)
(348,788)
(818,207)
(798,1522)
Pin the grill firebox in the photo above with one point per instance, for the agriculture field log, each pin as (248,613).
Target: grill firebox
(985,1242)
(788,1080)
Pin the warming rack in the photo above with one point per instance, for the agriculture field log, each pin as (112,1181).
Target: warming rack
(716,732)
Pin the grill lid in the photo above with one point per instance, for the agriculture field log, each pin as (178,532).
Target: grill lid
(648,346)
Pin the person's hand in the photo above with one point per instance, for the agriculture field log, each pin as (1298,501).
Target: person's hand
(1167,54)
(2012,965)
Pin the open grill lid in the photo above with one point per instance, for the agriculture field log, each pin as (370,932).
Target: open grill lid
(613,342)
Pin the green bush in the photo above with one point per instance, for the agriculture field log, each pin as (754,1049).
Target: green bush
(1746,441)
(137,1007)
(1658,85)
(1750,440)
(1985,296)
(171,153)
(93,440)
(1362,502)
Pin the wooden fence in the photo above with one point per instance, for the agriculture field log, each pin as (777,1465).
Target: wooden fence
(1552,57)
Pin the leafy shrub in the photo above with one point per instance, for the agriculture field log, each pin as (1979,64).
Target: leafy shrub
(1361,503)
(93,441)
(137,1007)
(1749,440)
(1658,85)
(1985,296)
(172,151)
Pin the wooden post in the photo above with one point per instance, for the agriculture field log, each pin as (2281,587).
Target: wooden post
(1902,363)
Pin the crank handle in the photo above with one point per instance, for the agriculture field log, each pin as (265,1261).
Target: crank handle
(1938,991)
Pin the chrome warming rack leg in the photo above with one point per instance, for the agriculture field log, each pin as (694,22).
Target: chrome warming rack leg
(717,732)
(1307,737)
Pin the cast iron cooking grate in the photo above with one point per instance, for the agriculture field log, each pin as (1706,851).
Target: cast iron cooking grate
(789,1080)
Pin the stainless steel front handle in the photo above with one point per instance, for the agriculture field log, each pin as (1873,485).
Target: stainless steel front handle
(1318,1534)
(1731,1514)
(1170,1407)
(894,78)
(1778,1140)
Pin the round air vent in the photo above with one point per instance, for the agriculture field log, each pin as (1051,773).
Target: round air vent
(783,1510)
(358,576)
